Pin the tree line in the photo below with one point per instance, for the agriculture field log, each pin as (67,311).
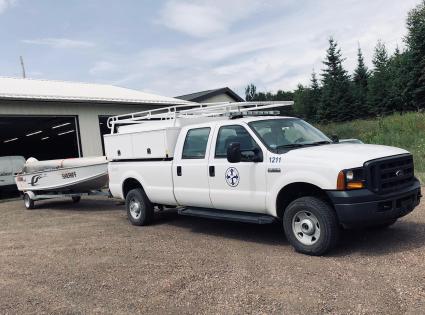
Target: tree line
(396,83)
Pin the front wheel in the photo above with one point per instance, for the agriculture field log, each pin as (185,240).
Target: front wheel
(140,210)
(311,226)
(29,203)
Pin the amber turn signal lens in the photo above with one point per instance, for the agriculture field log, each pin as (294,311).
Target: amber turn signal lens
(355,185)
(340,182)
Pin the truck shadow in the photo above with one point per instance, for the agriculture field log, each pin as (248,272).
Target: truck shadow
(270,234)
(402,236)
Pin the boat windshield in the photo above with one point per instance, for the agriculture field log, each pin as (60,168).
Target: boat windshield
(287,133)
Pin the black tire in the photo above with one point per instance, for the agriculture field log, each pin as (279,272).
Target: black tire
(76,199)
(28,202)
(382,225)
(143,215)
(325,226)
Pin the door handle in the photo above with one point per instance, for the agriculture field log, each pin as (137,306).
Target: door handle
(179,171)
(212,171)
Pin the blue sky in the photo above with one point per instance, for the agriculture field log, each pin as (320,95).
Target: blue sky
(175,47)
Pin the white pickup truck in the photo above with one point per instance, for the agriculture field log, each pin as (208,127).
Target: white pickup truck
(9,165)
(215,162)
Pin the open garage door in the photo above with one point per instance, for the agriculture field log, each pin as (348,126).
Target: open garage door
(42,137)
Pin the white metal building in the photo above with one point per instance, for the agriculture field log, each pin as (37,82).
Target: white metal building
(56,119)
(210,96)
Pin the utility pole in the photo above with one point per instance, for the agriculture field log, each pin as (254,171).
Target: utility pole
(23,67)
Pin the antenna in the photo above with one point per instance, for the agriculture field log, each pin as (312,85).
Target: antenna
(23,67)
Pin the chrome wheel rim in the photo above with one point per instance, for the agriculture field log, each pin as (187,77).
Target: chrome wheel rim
(135,209)
(27,201)
(306,227)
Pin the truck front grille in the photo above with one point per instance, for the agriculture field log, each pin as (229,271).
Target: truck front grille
(389,174)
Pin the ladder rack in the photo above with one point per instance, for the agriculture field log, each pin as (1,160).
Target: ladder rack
(193,111)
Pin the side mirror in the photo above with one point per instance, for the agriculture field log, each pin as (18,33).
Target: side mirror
(258,156)
(334,138)
(234,152)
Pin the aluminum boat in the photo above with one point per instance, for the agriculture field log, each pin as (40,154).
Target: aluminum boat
(77,175)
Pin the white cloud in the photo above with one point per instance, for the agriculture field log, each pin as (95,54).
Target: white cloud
(59,42)
(206,17)
(275,53)
(103,67)
(6,4)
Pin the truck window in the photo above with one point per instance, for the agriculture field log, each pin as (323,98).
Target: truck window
(234,133)
(195,143)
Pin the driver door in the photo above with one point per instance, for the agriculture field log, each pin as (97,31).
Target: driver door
(236,186)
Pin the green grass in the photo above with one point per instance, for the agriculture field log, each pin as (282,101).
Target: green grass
(404,131)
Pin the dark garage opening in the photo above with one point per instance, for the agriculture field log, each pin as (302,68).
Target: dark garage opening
(42,137)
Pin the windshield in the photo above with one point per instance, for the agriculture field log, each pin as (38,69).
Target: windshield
(287,133)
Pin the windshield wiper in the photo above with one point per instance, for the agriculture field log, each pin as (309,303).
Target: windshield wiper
(288,146)
(319,142)
(291,145)
(300,145)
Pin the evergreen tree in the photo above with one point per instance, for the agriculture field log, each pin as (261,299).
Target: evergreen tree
(283,96)
(415,41)
(399,98)
(360,86)
(307,99)
(301,101)
(379,82)
(315,97)
(250,92)
(336,98)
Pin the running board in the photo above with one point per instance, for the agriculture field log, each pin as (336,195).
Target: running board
(227,215)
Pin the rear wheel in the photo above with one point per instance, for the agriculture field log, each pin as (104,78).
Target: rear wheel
(29,203)
(311,226)
(140,210)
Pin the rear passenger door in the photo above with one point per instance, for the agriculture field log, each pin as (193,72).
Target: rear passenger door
(190,168)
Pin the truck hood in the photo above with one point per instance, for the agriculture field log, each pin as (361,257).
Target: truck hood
(344,155)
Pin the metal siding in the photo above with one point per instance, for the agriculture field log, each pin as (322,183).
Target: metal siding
(87,113)
(219,98)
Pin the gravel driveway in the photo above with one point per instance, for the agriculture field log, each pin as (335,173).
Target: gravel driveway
(86,258)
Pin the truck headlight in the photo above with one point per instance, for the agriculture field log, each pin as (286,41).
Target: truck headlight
(351,179)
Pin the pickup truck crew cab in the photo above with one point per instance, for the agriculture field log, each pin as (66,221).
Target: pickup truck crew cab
(215,162)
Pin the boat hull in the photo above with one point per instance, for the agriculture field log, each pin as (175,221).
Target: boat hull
(73,179)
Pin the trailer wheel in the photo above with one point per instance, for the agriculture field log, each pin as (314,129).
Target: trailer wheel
(311,226)
(140,210)
(29,203)
(76,199)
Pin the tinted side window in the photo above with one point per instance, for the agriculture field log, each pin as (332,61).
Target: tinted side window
(195,143)
(234,133)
